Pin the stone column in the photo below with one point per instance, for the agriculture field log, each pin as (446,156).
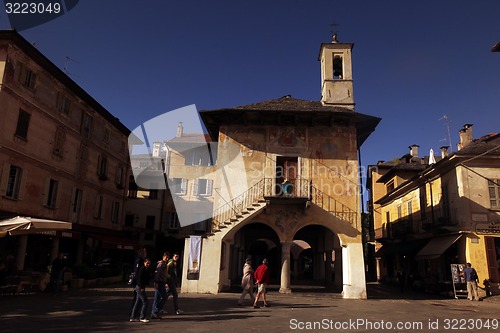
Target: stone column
(21,251)
(285,268)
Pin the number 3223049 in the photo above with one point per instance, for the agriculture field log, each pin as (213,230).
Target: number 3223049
(32,8)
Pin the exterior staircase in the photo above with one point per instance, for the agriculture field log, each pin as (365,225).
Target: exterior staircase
(253,201)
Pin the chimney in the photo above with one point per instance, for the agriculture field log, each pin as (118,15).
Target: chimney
(465,136)
(180,130)
(444,151)
(414,150)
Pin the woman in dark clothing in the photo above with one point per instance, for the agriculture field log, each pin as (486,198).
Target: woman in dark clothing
(142,278)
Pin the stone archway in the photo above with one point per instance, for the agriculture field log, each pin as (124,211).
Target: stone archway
(316,258)
(258,241)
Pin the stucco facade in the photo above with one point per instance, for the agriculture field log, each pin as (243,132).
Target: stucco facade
(286,187)
(446,213)
(62,155)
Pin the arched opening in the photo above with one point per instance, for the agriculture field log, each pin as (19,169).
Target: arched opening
(258,241)
(316,258)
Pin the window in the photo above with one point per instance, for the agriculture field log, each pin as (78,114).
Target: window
(115,212)
(410,216)
(180,186)
(77,200)
(63,103)
(400,212)
(390,186)
(23,122)
(198,157)
(99,203)
(52,193)
(337,67)
(59,139)
(173,221)
(14,182)
(494,191)
(102,167)
(86,125)
(26,76)
(423,202)
(119,176)
(203,187)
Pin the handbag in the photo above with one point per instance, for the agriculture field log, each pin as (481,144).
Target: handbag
(131,279)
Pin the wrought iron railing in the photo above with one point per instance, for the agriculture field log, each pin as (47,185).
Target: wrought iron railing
(333,206)
(294,188)
(235,207)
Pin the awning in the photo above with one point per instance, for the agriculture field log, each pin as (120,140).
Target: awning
(21,225)
(404,248)
(115,242)
(437,246)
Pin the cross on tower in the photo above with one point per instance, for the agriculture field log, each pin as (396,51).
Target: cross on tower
(334,32)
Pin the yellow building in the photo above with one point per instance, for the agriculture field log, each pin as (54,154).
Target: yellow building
(428,215)
(62,157)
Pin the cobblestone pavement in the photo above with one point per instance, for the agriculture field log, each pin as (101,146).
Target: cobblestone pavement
(106,310)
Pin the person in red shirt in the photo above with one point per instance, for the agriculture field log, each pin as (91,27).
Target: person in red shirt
(261,277)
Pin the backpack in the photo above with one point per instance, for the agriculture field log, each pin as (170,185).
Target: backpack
(473,275)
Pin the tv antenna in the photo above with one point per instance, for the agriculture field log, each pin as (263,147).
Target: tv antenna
(66,64)
(447,123)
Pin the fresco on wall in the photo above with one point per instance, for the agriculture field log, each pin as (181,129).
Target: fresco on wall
(287,139)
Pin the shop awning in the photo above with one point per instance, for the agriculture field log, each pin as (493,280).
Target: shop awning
(115,242)
(404,248)
(23,225)
(437,246)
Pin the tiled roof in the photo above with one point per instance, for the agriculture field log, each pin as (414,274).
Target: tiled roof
(288,103)
(288,111)
(482,145)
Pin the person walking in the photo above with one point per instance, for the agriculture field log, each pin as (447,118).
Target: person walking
(138,263)
(160,280)
(261,276)
(471,278)
(57,270)
(247,281)
(172,281)
(140,289)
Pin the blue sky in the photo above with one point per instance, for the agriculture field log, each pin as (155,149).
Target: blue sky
(413,61)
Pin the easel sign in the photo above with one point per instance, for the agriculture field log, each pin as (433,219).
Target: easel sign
(458,279)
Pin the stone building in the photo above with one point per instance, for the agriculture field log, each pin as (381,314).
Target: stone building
(286,188)
(62,157)
(429,214)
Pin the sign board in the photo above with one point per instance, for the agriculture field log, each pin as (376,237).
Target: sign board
(458,280)
(491,228)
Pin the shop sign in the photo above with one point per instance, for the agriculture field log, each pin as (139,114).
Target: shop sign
(492,228)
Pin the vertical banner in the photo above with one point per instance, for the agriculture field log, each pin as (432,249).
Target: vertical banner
(194,257)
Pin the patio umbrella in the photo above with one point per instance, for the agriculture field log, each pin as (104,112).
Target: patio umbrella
(21,225)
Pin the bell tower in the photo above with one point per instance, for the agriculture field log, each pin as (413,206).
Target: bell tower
(336,74)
